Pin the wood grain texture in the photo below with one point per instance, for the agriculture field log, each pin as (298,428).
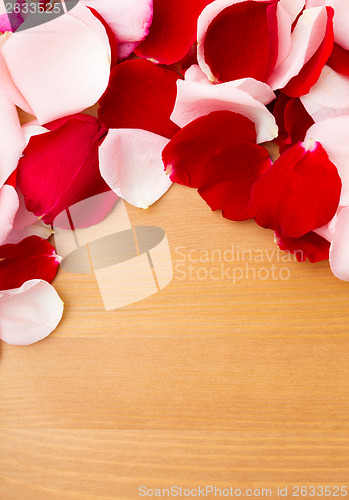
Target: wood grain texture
(239,384)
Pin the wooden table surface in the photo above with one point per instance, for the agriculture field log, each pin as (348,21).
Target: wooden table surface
(208,382)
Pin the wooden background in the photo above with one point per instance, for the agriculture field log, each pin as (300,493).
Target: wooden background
(206,382)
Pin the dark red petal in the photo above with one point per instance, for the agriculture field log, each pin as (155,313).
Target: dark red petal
(309,246)
(217,155)
(242,41)
(339,60)
(140,95)
(60,168)
(309,74)
(111,37)
(299,193)
(173,30)
(292,119)
(32,258)
(227,178)
(201,139)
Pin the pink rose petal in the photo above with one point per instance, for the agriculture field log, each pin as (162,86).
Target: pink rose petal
(9,204)
(131,164)
(199,99)
(29,313)
(57,71)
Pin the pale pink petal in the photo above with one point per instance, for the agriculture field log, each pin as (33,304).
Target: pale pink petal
(293,7)
(29,313)
(256,89)
(129,20)
(339,250)
(329,96)
(58,70)
(340,22)
(285,17)
(11,139)
(328,230)
(306,39)
(9,204)
(31,129)
(198,99)
(333,134)
(315,3)
(131,164)
(27,224)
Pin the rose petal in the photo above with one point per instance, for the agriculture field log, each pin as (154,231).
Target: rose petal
(292,119)
(329,96)
(217,155)
(26,224)
(9,204)
(31,78)
(238,40)
(199,99)
(339,60)
(173,30)
(130,163)
(31,258)
(333,134)
(60,168)
(339,251)
(11,139)
(310,246)
(129,21)
(299,193)
(140,95)
(309,74)
(307,37)
(30,313)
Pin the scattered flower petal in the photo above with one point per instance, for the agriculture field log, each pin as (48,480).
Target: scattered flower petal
(333,134)
(60,168)
(217,155)
(299,193)
(310,246)
(29,313)
(173,30)
(199,99)
(31,258)
(140,95)
(79,43)
(130,163)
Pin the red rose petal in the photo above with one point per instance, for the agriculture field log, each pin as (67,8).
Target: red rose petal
(140,95)
(310,73)
(173,30)
(339,60)
(32,258)
(292,119)
(299,193)
(242,41)
(310,246)
(217,155)
(60,168)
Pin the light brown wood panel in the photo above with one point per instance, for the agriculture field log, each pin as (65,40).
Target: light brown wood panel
(209,381)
